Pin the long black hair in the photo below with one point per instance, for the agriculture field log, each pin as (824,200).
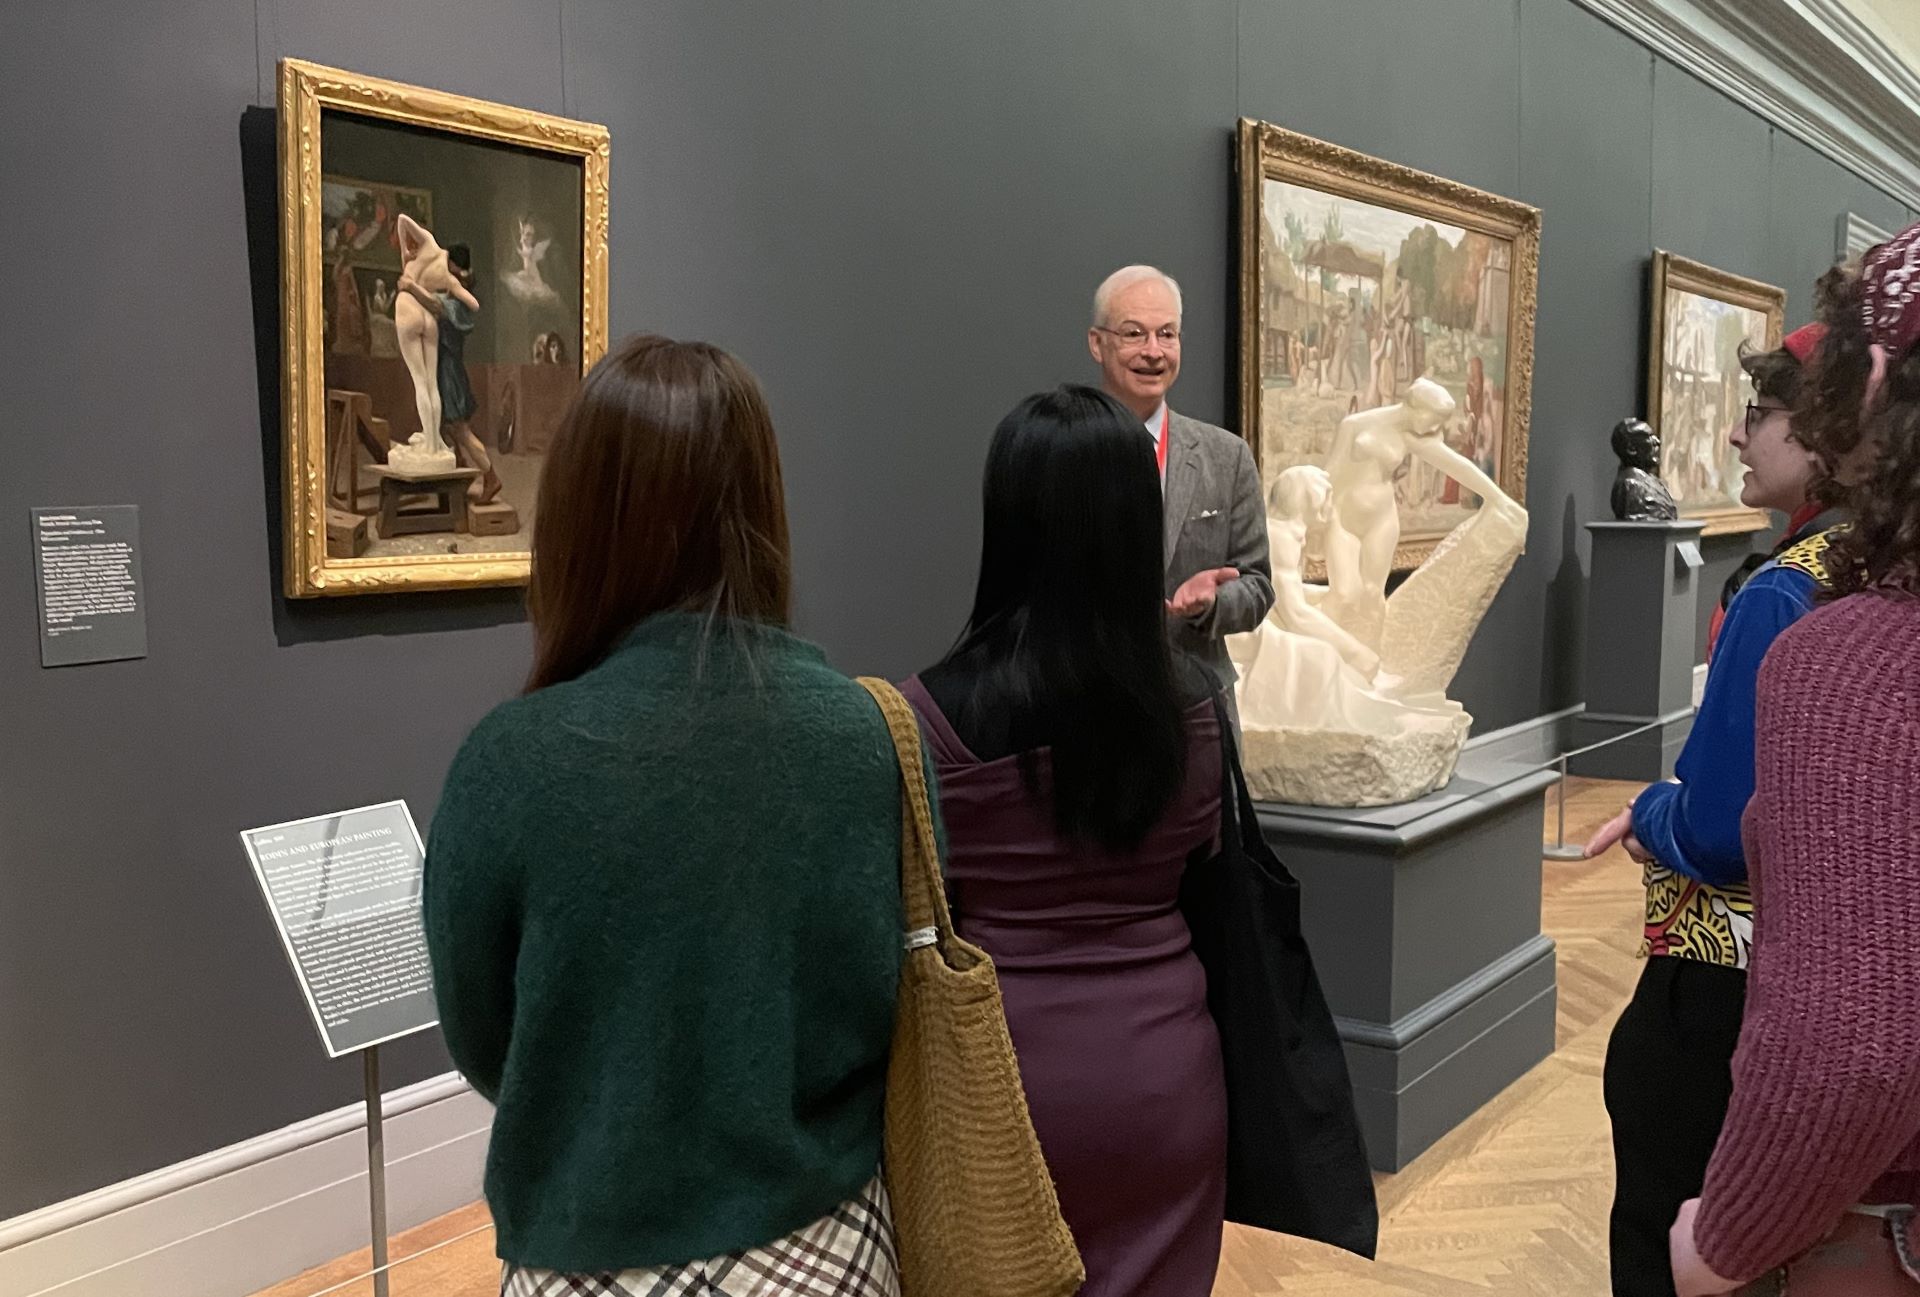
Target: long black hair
(1068,630)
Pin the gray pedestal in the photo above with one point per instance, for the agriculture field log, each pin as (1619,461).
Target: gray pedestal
(1640,647)
(1424,920)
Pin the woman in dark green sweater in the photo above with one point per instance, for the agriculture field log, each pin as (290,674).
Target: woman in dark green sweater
(662,888)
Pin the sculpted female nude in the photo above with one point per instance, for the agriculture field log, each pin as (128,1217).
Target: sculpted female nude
(1367,451)
(424,262)
(1317,704)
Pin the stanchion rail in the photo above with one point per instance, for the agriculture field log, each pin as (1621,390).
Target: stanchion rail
(1558,848)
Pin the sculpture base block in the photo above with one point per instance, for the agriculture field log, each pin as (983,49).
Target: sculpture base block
(346,534)
(495,518)
(1323,767)
(1424,919)
(414,501)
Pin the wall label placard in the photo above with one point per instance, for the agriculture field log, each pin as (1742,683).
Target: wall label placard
(86,562)
(344,891)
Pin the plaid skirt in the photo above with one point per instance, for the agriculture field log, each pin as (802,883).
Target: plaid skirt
(846,1253)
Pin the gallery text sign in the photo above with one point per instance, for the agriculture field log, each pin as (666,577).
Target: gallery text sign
(344,890)
(87,564)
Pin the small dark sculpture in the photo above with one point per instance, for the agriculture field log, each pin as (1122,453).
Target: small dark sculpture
(1638,495)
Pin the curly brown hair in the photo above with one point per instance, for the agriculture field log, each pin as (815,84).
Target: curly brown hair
(1870,462)
(1776,374)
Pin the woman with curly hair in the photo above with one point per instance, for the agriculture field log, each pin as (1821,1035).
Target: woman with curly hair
(1812,1186)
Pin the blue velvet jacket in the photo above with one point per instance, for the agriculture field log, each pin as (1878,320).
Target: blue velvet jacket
(1692,826)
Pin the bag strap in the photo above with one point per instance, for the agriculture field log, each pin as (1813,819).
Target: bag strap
(1232,785)
(1233,779)
(923,892)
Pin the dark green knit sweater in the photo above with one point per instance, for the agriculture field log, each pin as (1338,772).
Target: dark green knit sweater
(663,906)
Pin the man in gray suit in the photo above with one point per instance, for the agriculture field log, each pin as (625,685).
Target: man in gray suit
(1219,581)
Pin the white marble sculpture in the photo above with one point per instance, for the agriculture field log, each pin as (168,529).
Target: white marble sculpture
(418,333)
(1342,690)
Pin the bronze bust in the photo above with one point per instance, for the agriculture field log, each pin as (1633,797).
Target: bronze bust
(1638,493)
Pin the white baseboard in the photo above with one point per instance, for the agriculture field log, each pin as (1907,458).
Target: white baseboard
(1699,684)
(246,1217)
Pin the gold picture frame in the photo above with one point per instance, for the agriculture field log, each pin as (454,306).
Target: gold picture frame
(330,538)
(1693,380)
(1291,397)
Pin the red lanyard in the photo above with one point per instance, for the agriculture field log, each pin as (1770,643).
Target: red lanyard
(1160,450)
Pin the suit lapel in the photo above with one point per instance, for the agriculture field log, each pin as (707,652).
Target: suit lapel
(1183,478)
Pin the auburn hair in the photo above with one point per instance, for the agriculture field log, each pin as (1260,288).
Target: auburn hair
(661,492)
(1869,453)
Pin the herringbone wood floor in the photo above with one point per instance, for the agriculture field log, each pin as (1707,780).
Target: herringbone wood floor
(1514,1202)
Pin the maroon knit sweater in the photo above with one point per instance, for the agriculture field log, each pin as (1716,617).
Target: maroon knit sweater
(1826,1082)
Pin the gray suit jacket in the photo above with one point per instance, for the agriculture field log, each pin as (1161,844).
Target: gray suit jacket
(1216,516)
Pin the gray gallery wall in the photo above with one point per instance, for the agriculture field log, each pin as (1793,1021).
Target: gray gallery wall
(895,212)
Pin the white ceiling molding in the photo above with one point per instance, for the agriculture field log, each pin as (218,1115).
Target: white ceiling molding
(1855,235)
(1811,67)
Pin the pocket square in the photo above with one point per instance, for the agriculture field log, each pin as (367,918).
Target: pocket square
(1206,513)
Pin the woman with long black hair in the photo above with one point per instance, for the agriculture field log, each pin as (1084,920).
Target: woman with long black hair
(1079,765)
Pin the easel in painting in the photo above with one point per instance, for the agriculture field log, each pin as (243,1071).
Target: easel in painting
(351,423)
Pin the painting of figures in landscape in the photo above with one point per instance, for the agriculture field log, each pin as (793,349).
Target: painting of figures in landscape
(1362,277)
(1696,390)
(460,283)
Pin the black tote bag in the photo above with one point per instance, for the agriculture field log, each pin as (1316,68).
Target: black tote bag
(1295,1160)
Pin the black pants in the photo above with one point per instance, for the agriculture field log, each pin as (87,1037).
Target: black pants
(1669,1077)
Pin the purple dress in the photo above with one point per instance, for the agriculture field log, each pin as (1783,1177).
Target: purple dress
(1107,1006)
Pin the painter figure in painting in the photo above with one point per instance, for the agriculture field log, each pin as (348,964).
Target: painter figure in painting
(1342,689)
(424,264)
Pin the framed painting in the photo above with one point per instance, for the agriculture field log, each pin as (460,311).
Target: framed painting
(1358,276)
(443,267)
(1700,321)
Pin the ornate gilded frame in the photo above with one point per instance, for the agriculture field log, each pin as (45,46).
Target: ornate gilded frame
(306,90)
(1266,151)
(1669,270)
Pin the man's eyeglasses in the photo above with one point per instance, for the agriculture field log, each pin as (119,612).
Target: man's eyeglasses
(1759,414)
(1132,337)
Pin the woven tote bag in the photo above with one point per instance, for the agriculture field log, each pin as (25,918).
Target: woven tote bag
(974,1206)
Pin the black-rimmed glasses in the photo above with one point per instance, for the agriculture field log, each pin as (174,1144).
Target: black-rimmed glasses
(1759,414)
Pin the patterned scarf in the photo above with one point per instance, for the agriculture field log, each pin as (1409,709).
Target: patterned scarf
(1890,274)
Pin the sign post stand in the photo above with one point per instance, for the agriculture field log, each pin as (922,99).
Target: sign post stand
(344,891)
(376,1169)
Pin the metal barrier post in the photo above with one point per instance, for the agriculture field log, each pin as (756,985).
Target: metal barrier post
(1558,848)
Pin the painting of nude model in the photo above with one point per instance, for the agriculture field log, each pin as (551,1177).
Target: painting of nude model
(428,361)
(459,275)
